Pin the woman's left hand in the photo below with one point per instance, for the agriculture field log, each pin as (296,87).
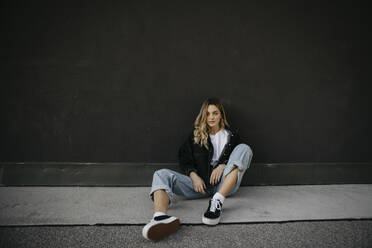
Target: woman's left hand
(217,174)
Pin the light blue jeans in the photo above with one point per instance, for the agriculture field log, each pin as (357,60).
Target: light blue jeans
(176,183)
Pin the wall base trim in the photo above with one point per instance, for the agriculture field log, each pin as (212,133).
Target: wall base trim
(140,174)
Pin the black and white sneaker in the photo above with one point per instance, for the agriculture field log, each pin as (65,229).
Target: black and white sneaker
(160,227)
(213,213)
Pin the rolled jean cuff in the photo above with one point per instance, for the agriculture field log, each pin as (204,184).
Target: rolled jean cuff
(241,157)
(167,190)
(231,165)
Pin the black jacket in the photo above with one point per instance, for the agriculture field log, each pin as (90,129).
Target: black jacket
(193,157)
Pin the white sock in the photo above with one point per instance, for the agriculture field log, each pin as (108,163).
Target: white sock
(219,197)
(158,214)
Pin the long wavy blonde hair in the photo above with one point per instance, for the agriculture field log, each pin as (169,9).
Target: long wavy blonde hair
(202,129)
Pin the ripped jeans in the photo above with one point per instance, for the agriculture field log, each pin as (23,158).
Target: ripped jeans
(176,183)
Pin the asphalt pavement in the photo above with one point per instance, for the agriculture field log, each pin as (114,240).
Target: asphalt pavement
(319,234)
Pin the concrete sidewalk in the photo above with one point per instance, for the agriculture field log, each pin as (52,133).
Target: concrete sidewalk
(131,205)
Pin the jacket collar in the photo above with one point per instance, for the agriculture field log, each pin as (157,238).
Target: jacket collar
(230,132)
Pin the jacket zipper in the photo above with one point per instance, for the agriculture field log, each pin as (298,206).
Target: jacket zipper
(227,143)
(210,155)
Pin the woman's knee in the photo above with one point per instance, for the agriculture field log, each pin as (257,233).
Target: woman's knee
(244,148)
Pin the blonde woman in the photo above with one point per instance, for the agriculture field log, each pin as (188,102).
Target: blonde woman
(213,160)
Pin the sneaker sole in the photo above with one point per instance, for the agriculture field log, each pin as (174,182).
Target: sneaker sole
(161,230)
(211,222)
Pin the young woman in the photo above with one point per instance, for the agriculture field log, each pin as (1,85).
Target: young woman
(213,160)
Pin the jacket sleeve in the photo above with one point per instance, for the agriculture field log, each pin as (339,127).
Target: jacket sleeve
(237,141)
(186,158)
(234,141)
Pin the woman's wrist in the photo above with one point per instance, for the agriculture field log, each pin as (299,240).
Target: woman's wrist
(223,166)
(193,174)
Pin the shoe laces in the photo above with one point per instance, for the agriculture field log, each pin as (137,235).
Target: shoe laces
(215,205)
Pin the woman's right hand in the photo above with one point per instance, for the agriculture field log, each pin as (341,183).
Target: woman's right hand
(197,183)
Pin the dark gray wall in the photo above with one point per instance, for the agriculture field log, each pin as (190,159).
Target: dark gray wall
(106,81)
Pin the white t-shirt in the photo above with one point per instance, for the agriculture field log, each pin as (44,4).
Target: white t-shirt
(219,141)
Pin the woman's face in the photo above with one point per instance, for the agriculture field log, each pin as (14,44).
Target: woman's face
(213,116)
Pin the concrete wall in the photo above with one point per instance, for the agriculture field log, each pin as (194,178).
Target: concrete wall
(122,81)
